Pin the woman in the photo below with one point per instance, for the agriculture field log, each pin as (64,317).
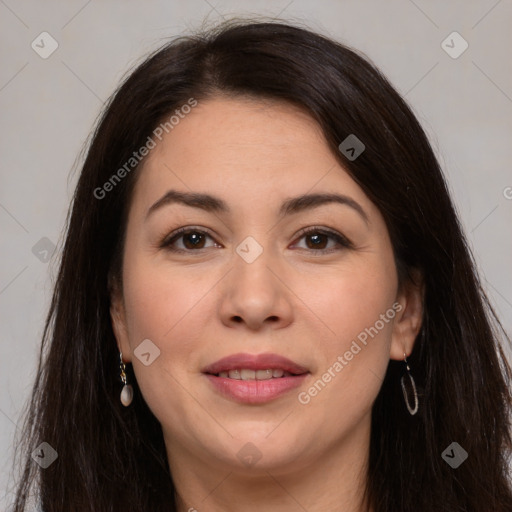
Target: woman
(265,299)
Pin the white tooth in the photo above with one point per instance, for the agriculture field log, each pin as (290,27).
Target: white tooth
(277,373)
(234,374)
(247,374)
(263,374)
(223,374)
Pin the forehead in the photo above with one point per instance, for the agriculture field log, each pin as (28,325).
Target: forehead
(249,150)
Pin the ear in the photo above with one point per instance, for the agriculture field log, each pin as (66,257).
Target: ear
(118,319)
(407,322)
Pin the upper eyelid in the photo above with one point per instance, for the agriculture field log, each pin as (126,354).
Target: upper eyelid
(188,229)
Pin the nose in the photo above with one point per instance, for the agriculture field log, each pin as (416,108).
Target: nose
(255,294)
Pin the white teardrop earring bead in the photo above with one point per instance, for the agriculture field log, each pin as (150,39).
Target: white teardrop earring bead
(127,395)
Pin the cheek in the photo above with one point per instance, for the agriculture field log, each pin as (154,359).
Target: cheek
(353,354)
(160,297)
(164,306)
(351,298)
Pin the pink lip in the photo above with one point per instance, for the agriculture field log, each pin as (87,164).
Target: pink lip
(255,391)
(255,362)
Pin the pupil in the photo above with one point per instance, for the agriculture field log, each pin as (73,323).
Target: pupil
(316,239)
(193,238)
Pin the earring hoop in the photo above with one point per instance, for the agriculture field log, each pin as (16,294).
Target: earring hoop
(412,410)
(127,391)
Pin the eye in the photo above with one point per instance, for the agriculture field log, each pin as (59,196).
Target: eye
(190,238)
(318,239)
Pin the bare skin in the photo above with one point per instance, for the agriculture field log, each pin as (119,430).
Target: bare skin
(207,302)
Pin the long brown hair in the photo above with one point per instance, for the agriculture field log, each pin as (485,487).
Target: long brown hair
(111,458)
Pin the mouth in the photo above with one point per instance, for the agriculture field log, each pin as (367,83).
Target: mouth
(248,374)
(255,379)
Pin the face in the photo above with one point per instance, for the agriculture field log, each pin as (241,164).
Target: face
(299,297)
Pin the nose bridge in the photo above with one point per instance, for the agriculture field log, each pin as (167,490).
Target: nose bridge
(254,294)
(252,260)
(250,250)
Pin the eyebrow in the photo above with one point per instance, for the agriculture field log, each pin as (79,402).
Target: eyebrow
(290,206)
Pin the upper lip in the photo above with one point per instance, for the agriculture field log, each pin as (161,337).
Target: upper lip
(254,362)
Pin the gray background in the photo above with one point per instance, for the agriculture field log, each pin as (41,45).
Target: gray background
(49,105)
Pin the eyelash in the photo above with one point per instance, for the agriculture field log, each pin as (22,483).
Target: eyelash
(175,235)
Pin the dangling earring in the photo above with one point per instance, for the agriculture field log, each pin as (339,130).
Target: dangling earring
(412,410)
(127,391)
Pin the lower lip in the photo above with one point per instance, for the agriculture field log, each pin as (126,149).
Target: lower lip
(255,391)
